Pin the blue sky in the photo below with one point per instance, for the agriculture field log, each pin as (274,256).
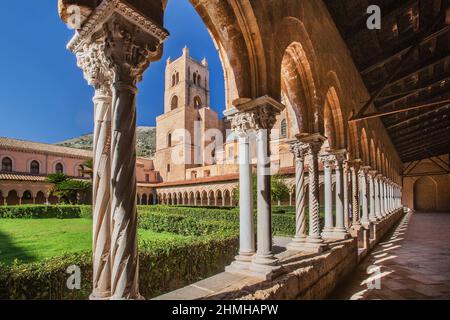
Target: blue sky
(43,95)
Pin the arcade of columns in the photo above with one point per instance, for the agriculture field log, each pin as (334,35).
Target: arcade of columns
(113,48)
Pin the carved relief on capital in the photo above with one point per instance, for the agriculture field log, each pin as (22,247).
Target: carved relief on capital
(298,149)
(126,54)
(243,123)
(91,59)
(265,117)
(327,159)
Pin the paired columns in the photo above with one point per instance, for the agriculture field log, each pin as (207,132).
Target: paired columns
(113,49)
(255,118)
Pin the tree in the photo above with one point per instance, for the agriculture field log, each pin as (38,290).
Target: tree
(69,190)
(279,189)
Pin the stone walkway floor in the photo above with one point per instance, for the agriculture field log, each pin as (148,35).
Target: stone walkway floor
(413,262)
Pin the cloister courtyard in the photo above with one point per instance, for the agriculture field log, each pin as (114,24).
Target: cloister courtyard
(324,175)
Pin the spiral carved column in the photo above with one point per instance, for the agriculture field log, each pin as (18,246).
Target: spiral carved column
(355,196)
(90,58)
(298,149)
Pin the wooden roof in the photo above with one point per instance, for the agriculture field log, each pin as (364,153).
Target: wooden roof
(405,66)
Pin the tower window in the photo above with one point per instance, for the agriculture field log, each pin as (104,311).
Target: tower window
(197,102)
(199,80)
(168,167)
(173,80)
(174,103)
(169,140)
(283,128)
(178,77)
(195,78)
(7,164)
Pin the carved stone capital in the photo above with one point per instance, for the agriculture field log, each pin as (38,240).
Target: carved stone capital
(91,59)
(265,110)
(243,123)
(327,159)
(298,149)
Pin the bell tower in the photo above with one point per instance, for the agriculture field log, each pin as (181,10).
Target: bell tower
(187,116)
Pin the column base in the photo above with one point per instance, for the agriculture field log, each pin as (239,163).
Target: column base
(264,271)
(100,296)
(296,244)
(242,262)
(309,247)
(338,234)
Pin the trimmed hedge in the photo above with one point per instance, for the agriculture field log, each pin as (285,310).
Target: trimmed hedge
(164,266)
(45,212)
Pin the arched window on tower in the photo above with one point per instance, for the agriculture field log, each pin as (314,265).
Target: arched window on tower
(173,80)
(7,164)
(169,140)
(199,81)
(197,102)
(174,103)
(283,129)
(178,77)
(59,168)
(34,167)
(194,78)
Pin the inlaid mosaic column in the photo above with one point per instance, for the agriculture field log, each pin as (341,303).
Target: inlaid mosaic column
(372,196)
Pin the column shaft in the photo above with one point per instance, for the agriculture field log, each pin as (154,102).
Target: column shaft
(247,237)
(328,199)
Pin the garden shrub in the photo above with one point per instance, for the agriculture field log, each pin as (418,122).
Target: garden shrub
(45,212)
(164,266)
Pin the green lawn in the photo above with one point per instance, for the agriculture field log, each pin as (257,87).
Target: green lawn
(31,240)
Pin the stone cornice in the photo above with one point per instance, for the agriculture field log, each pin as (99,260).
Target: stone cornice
(104,11)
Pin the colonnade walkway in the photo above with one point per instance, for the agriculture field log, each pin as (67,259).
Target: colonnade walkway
(413,262)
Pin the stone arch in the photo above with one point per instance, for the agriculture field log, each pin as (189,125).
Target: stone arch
(59,166)
(241,54)
(227,198)
(197,102)
(211,198)
(297,83)
(191,198)
(198,199)
(373,154)
(204,196)
(151,199)
(365,153)
(334,120)
(144,200)
(27,197)
(12,198)
(174,198)
(219,197)
(425,194)
(353,140)
(40,197)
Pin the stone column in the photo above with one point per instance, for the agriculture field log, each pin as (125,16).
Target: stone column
(386,196)
(340,231)
(262,112)
(364,201)
(298,149)
(377,197)
(372,186)
(356,224)
(345,180)
(328,162)
(314,241)
(91,59)
(242,124)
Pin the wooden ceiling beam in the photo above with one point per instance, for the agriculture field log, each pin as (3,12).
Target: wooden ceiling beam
(417,117)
